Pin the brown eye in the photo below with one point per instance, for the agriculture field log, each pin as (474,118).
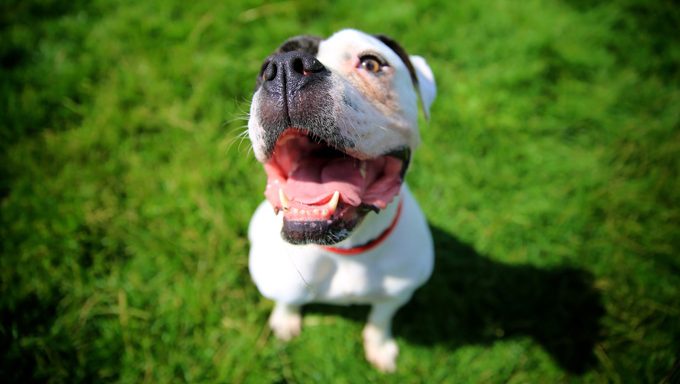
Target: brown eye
(370,63)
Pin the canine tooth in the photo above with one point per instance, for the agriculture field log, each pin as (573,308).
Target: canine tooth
(324,212)
(333,203)
(362,169)
(284,199)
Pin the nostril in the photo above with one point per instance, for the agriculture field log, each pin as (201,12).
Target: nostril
(306,65)
(315,66)
(269,71)
(298,66)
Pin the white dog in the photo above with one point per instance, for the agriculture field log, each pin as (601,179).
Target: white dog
(334,122)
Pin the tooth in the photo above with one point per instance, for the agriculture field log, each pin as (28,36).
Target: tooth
(315,211)
(324,212)
(295,211)
(303,212)
(333,203)
(284,199)
(362,169)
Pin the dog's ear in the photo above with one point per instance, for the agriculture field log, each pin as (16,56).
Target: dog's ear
(426,84)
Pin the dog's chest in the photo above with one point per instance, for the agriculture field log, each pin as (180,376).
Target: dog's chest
(348,280)
(351,281)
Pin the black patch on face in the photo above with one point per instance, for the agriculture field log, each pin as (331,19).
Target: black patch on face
(295,92)
(304,43)
(401,52)
(403,154)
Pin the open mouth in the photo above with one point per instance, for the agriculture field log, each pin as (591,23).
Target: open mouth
(324,192)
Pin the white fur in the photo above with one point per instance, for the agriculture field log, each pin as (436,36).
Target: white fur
(385,276)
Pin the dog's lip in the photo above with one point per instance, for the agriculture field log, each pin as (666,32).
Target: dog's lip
(323,232)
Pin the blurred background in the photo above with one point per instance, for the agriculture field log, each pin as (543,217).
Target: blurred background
(548,172)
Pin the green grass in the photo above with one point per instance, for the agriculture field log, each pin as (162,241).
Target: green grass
(549,174)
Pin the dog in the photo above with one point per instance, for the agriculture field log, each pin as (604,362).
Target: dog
(334,122)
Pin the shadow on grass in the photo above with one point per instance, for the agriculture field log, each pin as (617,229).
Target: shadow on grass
(27,343)
(471,299)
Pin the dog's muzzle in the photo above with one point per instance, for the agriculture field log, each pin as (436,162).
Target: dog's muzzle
(294,91)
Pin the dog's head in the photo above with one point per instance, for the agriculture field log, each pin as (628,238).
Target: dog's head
(334,122)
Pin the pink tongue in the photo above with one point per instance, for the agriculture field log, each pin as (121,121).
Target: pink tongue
(314,179)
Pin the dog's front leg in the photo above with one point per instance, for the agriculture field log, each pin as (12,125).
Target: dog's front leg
(285,321)
(379,346)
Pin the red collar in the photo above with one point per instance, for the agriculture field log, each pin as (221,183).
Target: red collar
(371,244)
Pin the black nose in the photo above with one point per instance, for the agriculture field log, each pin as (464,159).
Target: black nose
(290,71)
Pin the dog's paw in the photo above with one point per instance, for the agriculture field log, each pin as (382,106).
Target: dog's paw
(381,349)
(286,323)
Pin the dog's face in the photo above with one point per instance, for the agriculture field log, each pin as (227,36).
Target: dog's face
(334,122)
